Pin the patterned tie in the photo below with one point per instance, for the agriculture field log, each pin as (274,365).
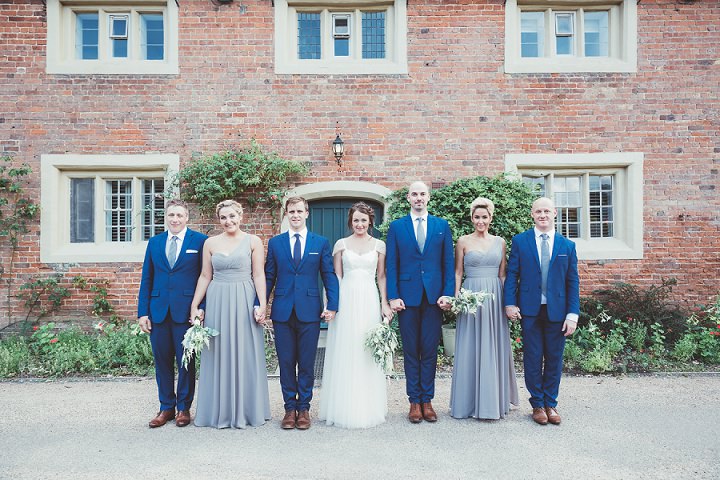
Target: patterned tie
(421,234)
(296,251)
(544,261)
(172,251)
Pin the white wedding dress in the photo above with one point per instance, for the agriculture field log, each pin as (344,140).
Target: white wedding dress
(354,387)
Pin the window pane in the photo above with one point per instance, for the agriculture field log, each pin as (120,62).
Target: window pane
(118,25)
(537,184)
(118,210)
(82,220)
(532,34)
(563,45)
(119,47)
(342,47)
(373,34)
(153,221)
(602,211)
(564,24)
(308,35)
(86,36)
(596,34)
(153,36)
(568,200)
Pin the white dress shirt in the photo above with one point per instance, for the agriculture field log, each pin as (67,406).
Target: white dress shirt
(415,223)
(180,240)
(303,238)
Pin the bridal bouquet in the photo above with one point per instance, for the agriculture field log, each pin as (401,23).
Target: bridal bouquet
(468,301)
(382,341)
(195,339)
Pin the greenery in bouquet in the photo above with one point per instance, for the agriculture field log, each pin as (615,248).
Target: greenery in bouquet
(382,342)
(468,301)
(196,338)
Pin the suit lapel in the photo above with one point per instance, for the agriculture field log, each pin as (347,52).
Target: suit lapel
(285,247)
(429,232)
(310,238)
(183,247)
(557,239)
(410,230)
(532,245)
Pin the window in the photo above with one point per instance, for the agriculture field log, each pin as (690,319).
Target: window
(598,198)
(104,207)
(547,36)
(369,37)
(112,37)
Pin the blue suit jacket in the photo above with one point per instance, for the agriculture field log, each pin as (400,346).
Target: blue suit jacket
(163,289)
(298,287)
(523,283)
(409,272)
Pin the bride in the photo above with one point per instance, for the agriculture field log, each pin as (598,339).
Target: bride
(354,390)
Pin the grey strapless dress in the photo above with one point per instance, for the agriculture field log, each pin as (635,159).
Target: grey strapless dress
(483,381)
(233,387)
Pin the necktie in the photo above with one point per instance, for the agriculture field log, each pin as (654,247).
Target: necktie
(296,250)
(544,261)
(172,251)
(421,234)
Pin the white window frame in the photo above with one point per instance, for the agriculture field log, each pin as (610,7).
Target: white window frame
(61,56)
(286,47)
(55,174)
(627,168)
(622,48)
(111,25)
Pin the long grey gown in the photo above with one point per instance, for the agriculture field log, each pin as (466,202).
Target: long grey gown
(233,387)
(483,382)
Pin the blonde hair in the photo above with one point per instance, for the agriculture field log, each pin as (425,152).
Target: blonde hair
(228,203)
(482,202)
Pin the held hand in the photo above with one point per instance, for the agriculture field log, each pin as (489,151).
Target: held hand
(328,315)
(197,313)
(444,302)
(145,324)
(397,305)
(387,314)
(513,313)
(260,313)
(569,327)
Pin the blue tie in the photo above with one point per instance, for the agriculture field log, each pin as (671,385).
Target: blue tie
(544,261)
(296,251)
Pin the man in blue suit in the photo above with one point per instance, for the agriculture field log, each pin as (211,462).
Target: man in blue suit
(542,289)
(420,278)
(294,260)
(172,265)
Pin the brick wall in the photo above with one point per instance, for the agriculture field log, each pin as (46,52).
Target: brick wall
(455,114)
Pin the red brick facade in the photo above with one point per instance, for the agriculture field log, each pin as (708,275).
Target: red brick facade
(455,114)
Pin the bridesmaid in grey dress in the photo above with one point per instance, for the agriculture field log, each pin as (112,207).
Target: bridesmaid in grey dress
(233,388)
(483,381)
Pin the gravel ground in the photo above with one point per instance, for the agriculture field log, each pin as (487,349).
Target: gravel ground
(613,427)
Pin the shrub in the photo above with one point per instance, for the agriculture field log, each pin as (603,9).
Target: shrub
(512,198)
(247,173)
(637,304)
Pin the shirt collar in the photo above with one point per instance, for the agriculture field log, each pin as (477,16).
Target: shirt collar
(550,234)
(303,233)
(181,235)
(415,217)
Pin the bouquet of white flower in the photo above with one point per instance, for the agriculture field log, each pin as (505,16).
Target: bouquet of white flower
(468,301)
(195,339)
(382,341)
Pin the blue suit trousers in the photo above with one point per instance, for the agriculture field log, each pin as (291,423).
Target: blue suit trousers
(166,341)
(420,329)
(543,347)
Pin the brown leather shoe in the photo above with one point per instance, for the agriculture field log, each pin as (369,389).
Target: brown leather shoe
(552,415)
(415,415)
(303,420)
(288,421)
(182,419)
(540,416)
(428,413)
(162,418)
